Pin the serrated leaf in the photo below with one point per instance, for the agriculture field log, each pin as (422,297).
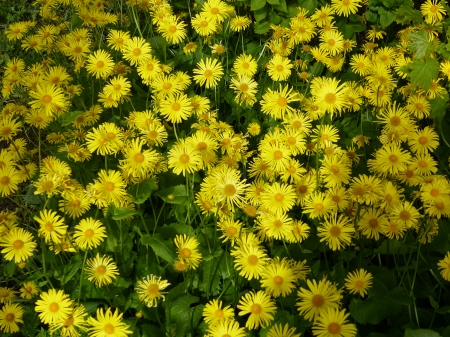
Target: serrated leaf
(257,4)
(420,44)
(421,333)
(162,248)
(406,13)
(439,108)
(142,191)
(423,73)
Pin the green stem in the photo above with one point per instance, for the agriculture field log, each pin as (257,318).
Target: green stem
(81,276)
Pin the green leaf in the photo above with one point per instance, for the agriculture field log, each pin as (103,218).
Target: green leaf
(8,268)
(406,13)
(374,309)
(439,108)
(142,191)
(386,18)
(180,313)
(421,333)
(310,5)
(123,213)
(388,3)
(209,275)
(420,45)
(282,7)
(260,14)
(174,194)
(162,248)
(262,27)
(371,16)
(424,73)
(257,4)
(69,117)
(273,2)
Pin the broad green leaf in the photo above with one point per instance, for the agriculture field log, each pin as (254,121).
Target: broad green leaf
(273,2)
(174,194)
(371,16)
(439,108)
(142,191)
(180,313)
(69,117)
(421,333)
(260,14)
(123,213)
(262,27)
(373,310)
(388,3)
(8,268)
(162,248)
(386,18)
(282,7)
(209,276)
(257,4)
(420,45)
(423,73)
(310,5)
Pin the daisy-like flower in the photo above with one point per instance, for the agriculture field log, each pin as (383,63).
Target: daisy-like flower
(28,290)
(245,65)
(444,267)
(136,50)
(18,245)
(214,314)
(149,290)
(260,307)
(183,157)
(332,42)
(317,298)
(106,139)
(176,108)
(208,72)
(9,180)
(276,103)
(227,187)
(172,30)
(423,141)
(187,250)
(278,278)
(89,233)
(337,232)
(278,330)
(405,214)
(203,25)
(358,282)
(277,226)
(330,94)
(333,323)
(109,188)
(101,270)
(108,324)
(240,23)
(7,295)
(49,98)
(117,39)
(227,328)
(52,226)
(230,230)
(317,204)
(54,306)
(10,315)
(361,64)
(100,64)
(138,162)
(279,68)
(73,324)
(433,11)
(278,198)
(299,231)
(345,7)
(216,10)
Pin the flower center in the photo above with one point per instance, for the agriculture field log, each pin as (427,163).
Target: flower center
(243,87)
(18,244)
(282,102)
(279,67)
(318,301)
(334,328)
(184,158)
(256,309)
(89,233)
(5,180)
(319,207)
(53,307)
(279,197)
(109,328)
(172,29)
(9,317)
(137,52)
(252,260)
(139,158)
(152,289)
(405,215)
(208,73)
(101,270)
(48,227)
(373,223)
(330,98)
(186,253)
(277,154)
(395,121)
(335,231)
(109,186)
(47,99)
(229,190)
(278,280)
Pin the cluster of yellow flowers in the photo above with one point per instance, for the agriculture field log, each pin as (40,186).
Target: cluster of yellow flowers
(289,158)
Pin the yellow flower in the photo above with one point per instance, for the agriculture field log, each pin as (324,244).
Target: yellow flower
(172,30)
(109,188)
(108,324)
(149,290)
(54,306)
(89,233)
(279,68)
(345,7)
(444,267)
(278,278)
(278,330)
(28,290)
(433,11)
(261,308)
(227,327)
(101,270)
(10,315)
(337,232)
(176,108)
(333,323)
(7,295)
(74,322)
(239,23)
(9,180)
(100,64)
(49,98)
(358,282)
(250,260)
(136,50)
(183,158)
(18,245)
(208,72)
(245,65)
(214,314)
(187,250)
